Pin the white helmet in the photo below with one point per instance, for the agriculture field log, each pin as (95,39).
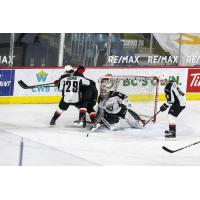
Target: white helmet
(69,69)
(106,86)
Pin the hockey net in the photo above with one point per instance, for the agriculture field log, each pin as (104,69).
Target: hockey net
(142,92)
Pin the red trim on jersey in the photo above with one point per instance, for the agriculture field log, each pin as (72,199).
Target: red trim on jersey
(81,71)
(83,110)
(93,114)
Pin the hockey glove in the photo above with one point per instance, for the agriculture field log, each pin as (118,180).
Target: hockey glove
(56,82)
(164,107)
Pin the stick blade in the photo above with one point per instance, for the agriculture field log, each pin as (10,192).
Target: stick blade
(168,150)
(22,84)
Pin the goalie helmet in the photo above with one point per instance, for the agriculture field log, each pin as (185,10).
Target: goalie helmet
(107,85)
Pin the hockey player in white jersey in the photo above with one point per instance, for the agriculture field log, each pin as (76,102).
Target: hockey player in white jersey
(176,102)
(112,107)
(69,84)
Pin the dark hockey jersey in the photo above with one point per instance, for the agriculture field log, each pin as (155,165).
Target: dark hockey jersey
(88,92)
(174,95)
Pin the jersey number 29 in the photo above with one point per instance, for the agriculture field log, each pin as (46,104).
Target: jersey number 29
(72,86)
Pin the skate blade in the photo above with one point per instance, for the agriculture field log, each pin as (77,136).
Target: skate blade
(170,139)
(78,124)
(51,126)
(95,128)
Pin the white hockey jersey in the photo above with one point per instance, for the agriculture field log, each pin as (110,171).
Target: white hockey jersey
(70,87)
(174,95)
(114,102)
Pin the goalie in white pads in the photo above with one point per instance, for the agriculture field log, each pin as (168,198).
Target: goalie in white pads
(112,107)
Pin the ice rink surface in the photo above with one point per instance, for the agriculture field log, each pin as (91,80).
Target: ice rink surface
(66,144)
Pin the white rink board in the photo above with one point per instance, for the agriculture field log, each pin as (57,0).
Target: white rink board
(142,72)
(29,77)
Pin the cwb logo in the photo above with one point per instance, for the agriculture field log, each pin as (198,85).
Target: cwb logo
(41,78)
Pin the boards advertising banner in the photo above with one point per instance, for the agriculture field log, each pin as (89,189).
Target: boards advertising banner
(7,82)
(193,83)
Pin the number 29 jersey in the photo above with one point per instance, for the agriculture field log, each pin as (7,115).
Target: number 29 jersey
(70,87)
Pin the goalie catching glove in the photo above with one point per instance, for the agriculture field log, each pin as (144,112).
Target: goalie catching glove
(164,107)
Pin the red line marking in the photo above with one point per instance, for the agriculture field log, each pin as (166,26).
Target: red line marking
(101,67)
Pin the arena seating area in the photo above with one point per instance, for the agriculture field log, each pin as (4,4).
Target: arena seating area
(89,49)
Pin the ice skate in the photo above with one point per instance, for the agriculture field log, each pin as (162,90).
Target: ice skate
(52,122)
(170,134)
(78,123)
(95,127)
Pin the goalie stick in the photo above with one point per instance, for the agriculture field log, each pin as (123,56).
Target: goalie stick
(25,86)
(173,151)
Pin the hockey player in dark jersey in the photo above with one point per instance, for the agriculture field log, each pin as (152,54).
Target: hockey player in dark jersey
(112,107)
(89,96)
(176,102)
(70,84)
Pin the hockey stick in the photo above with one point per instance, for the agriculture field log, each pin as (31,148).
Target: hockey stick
(107,124)
(173,151)
(151,118)
(25,86)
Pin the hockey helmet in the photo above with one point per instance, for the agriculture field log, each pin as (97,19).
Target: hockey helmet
(107,85)
(69,69)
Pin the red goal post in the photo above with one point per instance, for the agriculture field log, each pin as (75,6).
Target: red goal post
(142,91)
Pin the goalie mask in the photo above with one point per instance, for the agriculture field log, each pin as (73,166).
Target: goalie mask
(107,85)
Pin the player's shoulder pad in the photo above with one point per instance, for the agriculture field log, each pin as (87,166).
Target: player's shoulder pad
(64,76)
(78,74)
(174,84)
(169,85)
(119,94)
(92,82)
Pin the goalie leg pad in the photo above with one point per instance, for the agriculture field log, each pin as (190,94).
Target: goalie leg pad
(134,123)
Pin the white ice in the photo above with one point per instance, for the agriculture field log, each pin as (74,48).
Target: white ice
(66,144)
